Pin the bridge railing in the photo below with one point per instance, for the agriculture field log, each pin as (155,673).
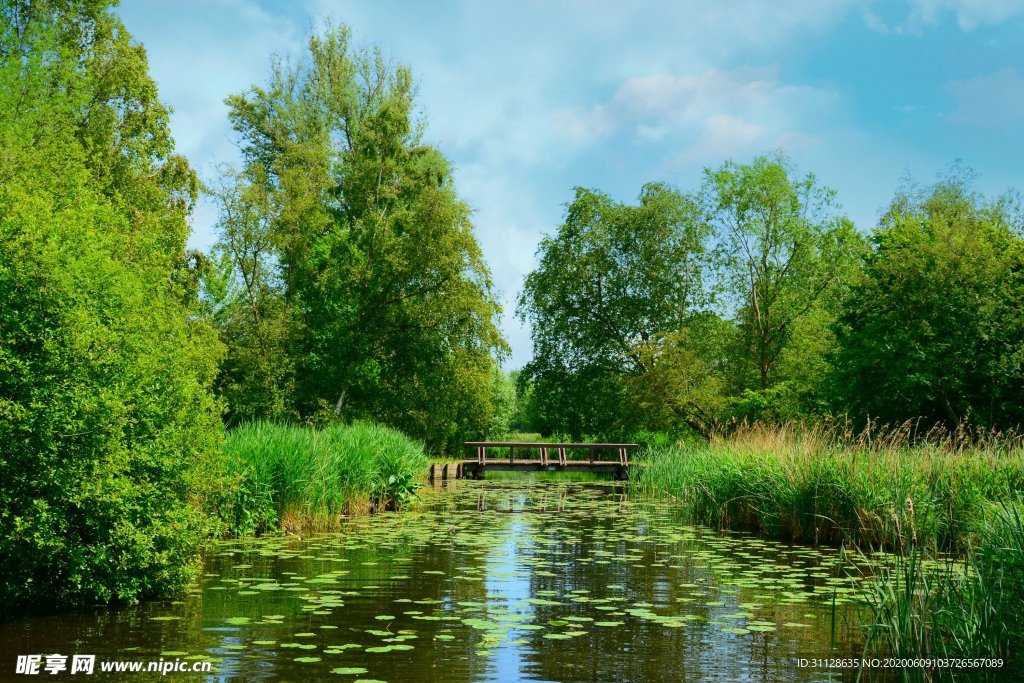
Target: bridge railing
(550,453)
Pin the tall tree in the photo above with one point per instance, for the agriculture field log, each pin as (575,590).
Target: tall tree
(389,300)
(107,426)
(609,284)
(786,254)
(244,292)
(934,328)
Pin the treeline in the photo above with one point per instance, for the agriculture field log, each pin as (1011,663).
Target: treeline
(753,298)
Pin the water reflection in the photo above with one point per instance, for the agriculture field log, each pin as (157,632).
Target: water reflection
(492,581)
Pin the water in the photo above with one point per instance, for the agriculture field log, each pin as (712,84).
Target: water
(493,581)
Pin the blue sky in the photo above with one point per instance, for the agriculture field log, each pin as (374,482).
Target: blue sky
(530,99)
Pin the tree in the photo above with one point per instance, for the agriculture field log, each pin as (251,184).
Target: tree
(108,430)
(785,255)
(933,329)
(683,390)
(243,292)
(504,400)
(608,286)
(389,308)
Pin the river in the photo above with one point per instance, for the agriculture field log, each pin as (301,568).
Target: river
(489,581)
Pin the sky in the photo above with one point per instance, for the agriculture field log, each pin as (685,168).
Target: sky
(530,99)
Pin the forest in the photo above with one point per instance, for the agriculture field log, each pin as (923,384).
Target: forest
(153,397)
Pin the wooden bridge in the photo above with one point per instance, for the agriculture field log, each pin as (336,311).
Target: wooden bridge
(548,457)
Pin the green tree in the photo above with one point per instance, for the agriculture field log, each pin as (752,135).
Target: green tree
(108,430)
(525,419)
(504,399)
(934,329)
(609,285)
(683,388)
(388,303)
(243,293)
(785,255)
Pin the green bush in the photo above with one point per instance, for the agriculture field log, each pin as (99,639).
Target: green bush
(108,432)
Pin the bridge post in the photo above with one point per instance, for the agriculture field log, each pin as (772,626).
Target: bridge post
(480,454)
(592,449)
(543,455)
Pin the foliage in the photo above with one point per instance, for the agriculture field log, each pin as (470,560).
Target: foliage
(306,477)
(107,428)
(504,398)
(241,292)
(689,310)
(683,390)
(608,285)
(363,291)
(785,255)
(934,329)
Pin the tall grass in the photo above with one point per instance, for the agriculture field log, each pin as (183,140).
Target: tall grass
(928,606)
(813,484)
(300,477)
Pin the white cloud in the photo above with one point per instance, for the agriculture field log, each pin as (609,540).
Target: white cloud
(969,15)
(721,113)
(652,103)
(724,136)
(995,100)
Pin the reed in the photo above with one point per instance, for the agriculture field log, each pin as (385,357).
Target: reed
(928,606)
(295,477)
(820,485)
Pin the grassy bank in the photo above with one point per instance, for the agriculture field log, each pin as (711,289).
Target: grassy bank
(295,477)
(815,485)
(947,506)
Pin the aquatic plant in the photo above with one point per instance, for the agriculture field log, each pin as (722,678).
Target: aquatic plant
(824,485)
(928,606)
(301,477)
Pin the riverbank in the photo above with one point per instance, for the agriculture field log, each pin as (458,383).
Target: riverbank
(815,486)
(948,508)
(302,478)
